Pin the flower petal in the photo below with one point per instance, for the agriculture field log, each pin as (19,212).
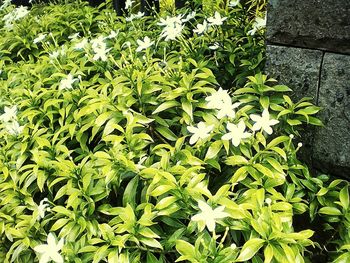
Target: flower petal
(256,126)
(204,206)
(210,222)
(51,241)
(227,136)
(192,129)
(40,248)
(44,258)
(55,256)
(268,130)
(236,141)
(255,117)
(273,122)
(194,138)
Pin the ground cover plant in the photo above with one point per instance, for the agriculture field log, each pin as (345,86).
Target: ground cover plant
(155,139)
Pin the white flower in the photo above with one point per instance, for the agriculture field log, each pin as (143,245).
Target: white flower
(54,55)
(50,251)
(127,44)
(5,4)
(233,3)
(189,17)
(20,12)
(63,51)
(39,38)
(300,144)
(208,216)
(263,122)
(228,109)
(100,48)
(13,128)
(100,53)
(237,133)
(173,27)
(74,36)
(128,4)
(217,99)
(216,20)
(67,82)
(169,21)
(134,16)
(113,34)
(258,24)
(98,42)
(42,208)
(81,44)
(202,131)
(9,114)
(215,46)
(171,33)
(14,15)
(201,28)
(146,43)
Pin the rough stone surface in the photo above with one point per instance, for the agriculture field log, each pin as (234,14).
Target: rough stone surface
(299,69)
(321,24)
(332,143)
(295,67)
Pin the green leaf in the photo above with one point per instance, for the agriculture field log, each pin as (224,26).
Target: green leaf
(281,88)
(147,232)
(294,122)
(332,211)
(281,152)
(59,224)
(166,133)
(214,149)
(165,202)
(277,141)
(315,121)
(130,192)
(41,178)
(250,248)
(236,160)
(166,105)
(288,100)
(344,197)
(161,189)
(264,101)
(308,110)
(268,253)
(240,174)
(264,170)
(151,258)
(150,242)
(187,107)
(185,248)
(100,254)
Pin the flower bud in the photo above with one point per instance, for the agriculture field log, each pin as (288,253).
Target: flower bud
(268,201)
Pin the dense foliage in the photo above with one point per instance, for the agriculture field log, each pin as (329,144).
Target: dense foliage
(155,139)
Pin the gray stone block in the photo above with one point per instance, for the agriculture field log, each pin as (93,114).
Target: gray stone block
(332,143)
(297,68)
(322,24)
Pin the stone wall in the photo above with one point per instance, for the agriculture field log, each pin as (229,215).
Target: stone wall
(308,49)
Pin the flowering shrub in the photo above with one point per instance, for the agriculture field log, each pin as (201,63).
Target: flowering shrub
(119,145)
